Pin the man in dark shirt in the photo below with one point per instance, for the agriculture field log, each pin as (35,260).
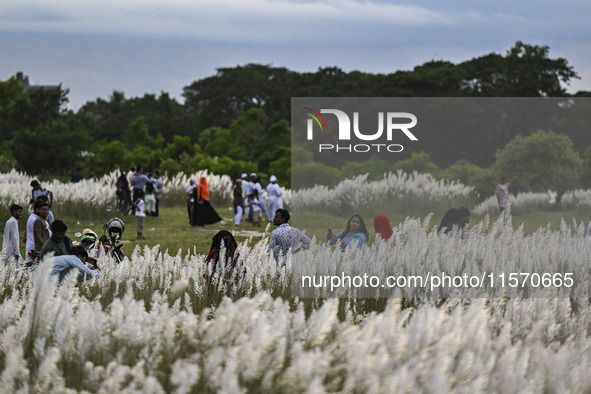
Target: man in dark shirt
(59,243)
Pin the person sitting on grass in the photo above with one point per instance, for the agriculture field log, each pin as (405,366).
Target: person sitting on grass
(355,231)
(62,265)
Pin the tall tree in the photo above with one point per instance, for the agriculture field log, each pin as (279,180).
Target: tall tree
(539,162)
(525,71)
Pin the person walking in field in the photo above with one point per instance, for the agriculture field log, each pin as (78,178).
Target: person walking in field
(250,187)
(10,247)
(203,212)
(159,191)
(285,238)
(252,203)
(191,199)
(123,196)
(29,238)
(138,182)
(40,191)
(238,202)
(150,196)
(259,189)
(502,193)
(140,214)
(274,196)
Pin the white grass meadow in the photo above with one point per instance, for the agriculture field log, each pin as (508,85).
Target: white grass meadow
(400,191)
(88,199)
(153,325)
(525,203)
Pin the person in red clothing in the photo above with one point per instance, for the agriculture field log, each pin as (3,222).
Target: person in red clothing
(203,212)
(381,223)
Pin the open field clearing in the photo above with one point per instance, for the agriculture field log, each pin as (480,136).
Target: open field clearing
(152,323)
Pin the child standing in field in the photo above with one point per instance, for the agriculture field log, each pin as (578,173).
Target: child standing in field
(140,213)
(255,207)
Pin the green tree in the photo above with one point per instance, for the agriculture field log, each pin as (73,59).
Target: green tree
(54,147)
(420,162)
(137,134)
(180,144)
(525,71)
(539,162)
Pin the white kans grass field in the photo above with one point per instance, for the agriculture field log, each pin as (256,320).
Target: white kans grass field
(396,191)
(152,325)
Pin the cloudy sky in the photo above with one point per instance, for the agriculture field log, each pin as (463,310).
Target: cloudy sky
(94,47)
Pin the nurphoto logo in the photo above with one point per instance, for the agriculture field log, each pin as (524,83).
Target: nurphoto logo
(395,123)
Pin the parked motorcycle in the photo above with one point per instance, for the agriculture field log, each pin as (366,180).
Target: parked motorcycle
(109,243)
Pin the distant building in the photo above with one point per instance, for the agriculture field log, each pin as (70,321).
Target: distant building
(24,81)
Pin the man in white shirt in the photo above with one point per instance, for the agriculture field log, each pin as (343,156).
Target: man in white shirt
(285,238)
(274,196)
(29,238)
(10,247)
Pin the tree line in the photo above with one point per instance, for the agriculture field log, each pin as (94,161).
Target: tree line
(238,119)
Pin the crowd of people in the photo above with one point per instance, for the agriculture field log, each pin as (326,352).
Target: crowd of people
(46,235)
(149,185)
(248,201)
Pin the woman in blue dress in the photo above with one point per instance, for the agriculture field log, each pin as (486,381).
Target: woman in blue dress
(355,232)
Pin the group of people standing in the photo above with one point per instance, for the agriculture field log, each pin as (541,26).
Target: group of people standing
(150,186)
(143,199)
(43,233)
(249,199)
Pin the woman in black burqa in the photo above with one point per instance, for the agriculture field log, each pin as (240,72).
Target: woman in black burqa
(123,194)
(203,213)
(223,244)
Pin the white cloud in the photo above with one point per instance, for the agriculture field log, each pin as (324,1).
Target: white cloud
(217,20)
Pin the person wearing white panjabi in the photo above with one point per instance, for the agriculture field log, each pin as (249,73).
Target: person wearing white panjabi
(10,244)
(249,189)
(274,196)
(244,180)
(258,185)
(29,238)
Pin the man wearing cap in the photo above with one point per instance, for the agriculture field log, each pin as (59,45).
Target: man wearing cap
(59,243)
(274,196)
(62,265)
